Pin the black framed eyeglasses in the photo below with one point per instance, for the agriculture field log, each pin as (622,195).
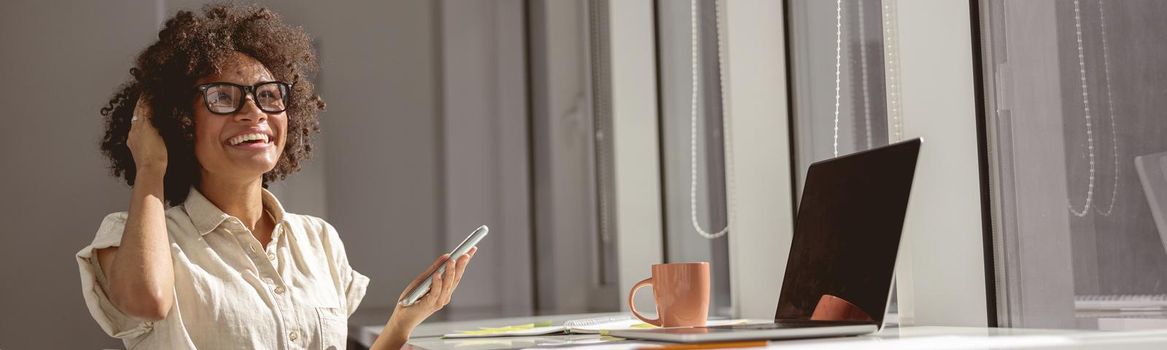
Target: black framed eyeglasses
(228,98)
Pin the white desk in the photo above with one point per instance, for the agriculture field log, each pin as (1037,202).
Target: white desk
(431,332)
(428,336)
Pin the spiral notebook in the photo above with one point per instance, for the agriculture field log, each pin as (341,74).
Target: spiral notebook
(599,325)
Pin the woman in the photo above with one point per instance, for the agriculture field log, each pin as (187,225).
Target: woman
(216,109)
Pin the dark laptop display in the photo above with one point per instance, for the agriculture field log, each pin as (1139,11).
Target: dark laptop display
(847,231)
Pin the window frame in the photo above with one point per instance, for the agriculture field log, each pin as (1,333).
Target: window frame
(945,237)
(947,233)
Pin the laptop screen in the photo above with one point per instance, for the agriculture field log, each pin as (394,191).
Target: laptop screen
(847,232)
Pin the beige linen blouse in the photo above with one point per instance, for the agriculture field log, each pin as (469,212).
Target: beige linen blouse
(230,293)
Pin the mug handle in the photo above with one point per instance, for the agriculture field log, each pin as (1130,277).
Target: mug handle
(647,282)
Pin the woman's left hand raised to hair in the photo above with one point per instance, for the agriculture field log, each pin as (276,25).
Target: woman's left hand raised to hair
(406,318)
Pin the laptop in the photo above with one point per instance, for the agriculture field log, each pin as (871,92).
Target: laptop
(1152,169)
(846,238)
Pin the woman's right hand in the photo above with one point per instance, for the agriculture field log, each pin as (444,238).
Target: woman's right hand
(144,141)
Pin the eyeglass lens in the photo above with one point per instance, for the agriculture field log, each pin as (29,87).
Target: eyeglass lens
(227,98)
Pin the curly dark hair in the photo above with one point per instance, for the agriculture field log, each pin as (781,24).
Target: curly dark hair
(192,46)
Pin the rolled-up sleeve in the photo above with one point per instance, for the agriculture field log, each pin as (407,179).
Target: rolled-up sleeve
(93,283)
(357,283)
(353,282)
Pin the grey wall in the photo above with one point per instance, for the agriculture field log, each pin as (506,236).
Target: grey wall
(61,61)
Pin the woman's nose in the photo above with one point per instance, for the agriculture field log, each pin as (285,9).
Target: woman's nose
(250,111)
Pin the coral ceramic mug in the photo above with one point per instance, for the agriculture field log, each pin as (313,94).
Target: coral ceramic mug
(681,291)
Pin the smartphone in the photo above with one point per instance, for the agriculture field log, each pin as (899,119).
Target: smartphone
(461,249)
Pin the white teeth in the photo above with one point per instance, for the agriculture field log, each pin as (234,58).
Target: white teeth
(247,137)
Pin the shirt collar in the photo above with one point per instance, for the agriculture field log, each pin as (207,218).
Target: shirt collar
(207,217)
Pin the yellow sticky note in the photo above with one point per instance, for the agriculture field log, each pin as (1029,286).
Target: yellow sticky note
(505,329)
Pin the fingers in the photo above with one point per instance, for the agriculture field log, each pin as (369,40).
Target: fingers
(444,283)
(142,107)
(453,276)
(141,111)
(411,286)
(463,261)
(134,121)
(141,114)
(448,286)
(428,271)
(434,297)
(434,267)
(461,267)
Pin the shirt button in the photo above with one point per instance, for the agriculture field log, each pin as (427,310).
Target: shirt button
(280,289)
(294,335)
(271,256)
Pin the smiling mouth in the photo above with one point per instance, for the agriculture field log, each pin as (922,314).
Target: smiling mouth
(249,139)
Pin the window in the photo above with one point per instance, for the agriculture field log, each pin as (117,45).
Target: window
(577,269)
(1076,134)
(838,80)
(692,144)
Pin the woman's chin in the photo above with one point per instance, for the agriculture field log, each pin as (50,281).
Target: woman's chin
(255,166)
